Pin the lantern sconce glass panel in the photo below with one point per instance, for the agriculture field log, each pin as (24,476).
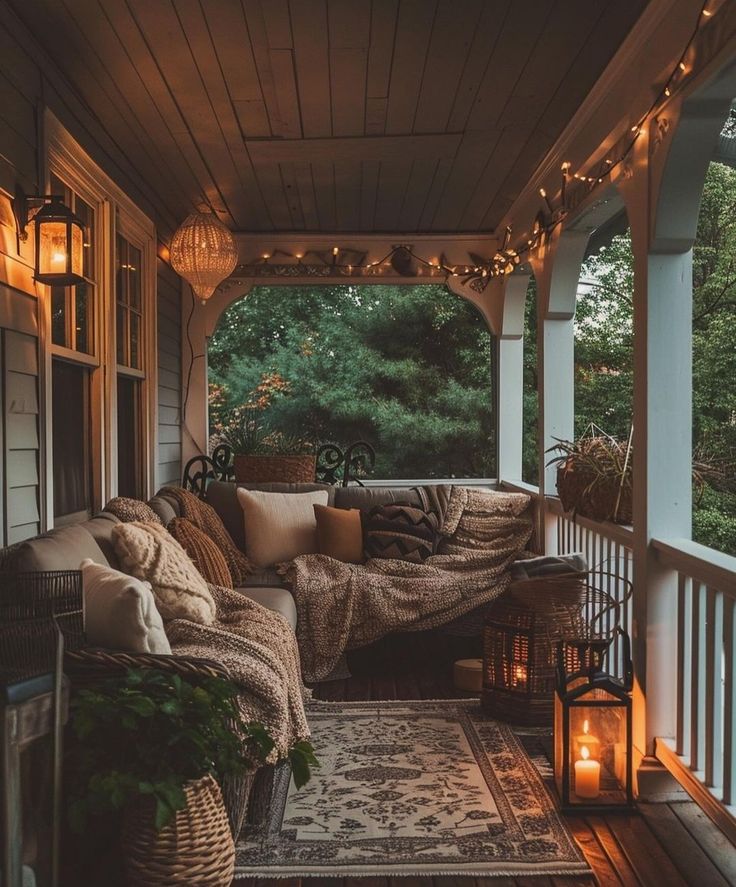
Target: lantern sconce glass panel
(593,726)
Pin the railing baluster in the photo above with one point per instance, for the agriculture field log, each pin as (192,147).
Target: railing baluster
(717,774)
(695,673)
(729,702)
(708,702)
(681,634)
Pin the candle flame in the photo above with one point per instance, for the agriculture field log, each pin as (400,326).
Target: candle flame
(584,753)
(585,726)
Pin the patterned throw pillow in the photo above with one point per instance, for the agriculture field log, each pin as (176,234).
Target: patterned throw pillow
(207,557)
(126,509)
(400,532)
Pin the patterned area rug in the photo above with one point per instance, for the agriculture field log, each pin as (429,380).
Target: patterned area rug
(412,788)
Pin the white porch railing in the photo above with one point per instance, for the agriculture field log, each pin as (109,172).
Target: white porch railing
(702,754)
(704,745)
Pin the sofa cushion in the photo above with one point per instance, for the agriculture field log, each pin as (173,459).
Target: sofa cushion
(207,557)
(277,599)
(165,507)
(120,612)
(266,578)
(223,497)
(279,526)
(100,527)
(149,552)
(340,533)
(62,549)
(367,498)
(400,532)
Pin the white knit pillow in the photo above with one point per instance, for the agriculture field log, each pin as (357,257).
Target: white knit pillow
(120,612)
(150,553)
(279,526)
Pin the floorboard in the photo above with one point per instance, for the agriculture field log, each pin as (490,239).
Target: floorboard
(660,844)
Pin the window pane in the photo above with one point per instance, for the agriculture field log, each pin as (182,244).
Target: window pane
(58,315)
(129,444)
(70,442)
(134,321)
(83,315)
(134,276)
(60,189)
(122,334)
(87,216)
(121,259)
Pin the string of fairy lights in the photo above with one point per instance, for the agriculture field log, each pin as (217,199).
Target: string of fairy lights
(345,261)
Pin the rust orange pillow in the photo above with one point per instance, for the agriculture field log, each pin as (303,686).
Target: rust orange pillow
(207,557)
(340,533)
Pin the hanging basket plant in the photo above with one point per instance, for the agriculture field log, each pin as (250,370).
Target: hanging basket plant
(594,476)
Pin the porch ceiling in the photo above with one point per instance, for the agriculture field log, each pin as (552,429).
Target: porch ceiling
(334,115)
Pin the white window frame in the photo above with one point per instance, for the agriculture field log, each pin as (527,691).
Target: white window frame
(114,209)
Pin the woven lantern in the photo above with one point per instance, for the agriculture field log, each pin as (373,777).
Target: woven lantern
(203,252)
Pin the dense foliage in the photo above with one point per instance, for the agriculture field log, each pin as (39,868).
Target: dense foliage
(149,732)
(603,352)
(407,368)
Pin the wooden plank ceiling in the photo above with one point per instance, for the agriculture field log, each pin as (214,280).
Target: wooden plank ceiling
(334,115)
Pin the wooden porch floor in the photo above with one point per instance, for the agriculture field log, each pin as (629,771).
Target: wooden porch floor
(661,845)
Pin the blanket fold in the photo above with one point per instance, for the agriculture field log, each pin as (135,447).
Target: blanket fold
(344,606)
(259,650)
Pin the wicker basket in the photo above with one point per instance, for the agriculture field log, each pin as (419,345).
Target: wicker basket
(520,637)
(196,848)
(275,469)
(605,500)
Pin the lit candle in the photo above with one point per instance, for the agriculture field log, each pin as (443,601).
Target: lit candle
(519,679)
(587,740)
(587,776)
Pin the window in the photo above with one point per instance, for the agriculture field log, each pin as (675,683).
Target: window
(128,304)
(129,351)
(71,440)
(75,359)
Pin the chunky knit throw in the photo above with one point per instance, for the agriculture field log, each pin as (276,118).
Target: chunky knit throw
(258,649)
(204,516)
(205,554)
(344,606)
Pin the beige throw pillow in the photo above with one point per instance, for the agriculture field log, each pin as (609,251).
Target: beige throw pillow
(150,553)
(279,526)
(120,612)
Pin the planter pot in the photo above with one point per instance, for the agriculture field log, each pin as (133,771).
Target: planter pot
(607,500)
(195,848)
(275,469)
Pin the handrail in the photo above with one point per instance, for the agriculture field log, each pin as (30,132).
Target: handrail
(519,486)
(713,568)
(616,532)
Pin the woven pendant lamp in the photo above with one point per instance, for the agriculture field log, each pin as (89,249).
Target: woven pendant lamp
(203,252)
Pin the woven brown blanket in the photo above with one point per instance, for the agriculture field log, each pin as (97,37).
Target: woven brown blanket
(258,648)
(344,606)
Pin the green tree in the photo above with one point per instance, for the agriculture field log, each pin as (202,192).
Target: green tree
(406,368)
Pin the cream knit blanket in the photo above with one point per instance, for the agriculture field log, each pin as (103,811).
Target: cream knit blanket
(344,606)
(258,649)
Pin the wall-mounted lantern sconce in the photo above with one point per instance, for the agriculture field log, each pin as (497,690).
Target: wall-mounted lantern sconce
(59,237)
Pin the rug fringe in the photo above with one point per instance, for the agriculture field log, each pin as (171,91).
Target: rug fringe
(387,871)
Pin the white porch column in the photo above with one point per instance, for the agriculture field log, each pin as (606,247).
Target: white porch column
(198,324)
(557,271)
(510,378)
(662,186)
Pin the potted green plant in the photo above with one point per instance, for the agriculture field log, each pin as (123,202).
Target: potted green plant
(153,748)
(594,476)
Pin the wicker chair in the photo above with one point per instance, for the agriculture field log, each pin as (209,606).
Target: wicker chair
(88,667)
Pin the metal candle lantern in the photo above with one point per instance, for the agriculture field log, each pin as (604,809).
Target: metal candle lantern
(592,729)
